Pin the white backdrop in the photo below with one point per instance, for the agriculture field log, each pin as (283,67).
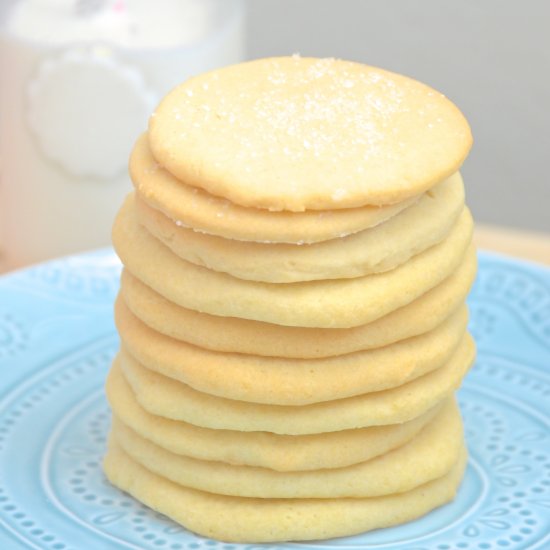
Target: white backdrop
(491,57)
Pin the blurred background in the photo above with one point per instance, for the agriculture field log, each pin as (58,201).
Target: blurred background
(78,79)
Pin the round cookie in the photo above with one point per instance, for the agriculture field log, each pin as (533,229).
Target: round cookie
(339,303)
(167,397)
(242,519)
(231,334)
(307,133)
(281,381)
(192,207)
(267,450)
(430,455)
(374,250)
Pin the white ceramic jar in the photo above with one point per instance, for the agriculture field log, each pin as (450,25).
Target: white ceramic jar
(78,80)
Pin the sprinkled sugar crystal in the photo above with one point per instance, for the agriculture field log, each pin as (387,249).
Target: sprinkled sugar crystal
(339,194)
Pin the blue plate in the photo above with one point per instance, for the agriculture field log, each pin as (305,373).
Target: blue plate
(56,342)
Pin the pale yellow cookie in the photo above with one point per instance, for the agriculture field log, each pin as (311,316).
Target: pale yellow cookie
(267,450)
(242,519)
(167,397)
(339,303)
(193,207)
(430,455)
(231,334)
(282,381)
(374,250)
(297,133)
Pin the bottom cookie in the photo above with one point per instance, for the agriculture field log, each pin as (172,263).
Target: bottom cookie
(242,519)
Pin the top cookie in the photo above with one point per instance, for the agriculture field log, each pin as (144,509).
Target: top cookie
(296,134)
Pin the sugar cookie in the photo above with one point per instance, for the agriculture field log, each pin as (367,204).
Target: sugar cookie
(307,133)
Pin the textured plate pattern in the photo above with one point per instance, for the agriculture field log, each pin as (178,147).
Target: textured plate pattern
(56,342)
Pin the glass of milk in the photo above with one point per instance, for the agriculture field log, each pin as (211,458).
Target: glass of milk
(78,81)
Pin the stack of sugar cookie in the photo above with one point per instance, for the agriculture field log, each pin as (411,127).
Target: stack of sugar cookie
(297,256)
